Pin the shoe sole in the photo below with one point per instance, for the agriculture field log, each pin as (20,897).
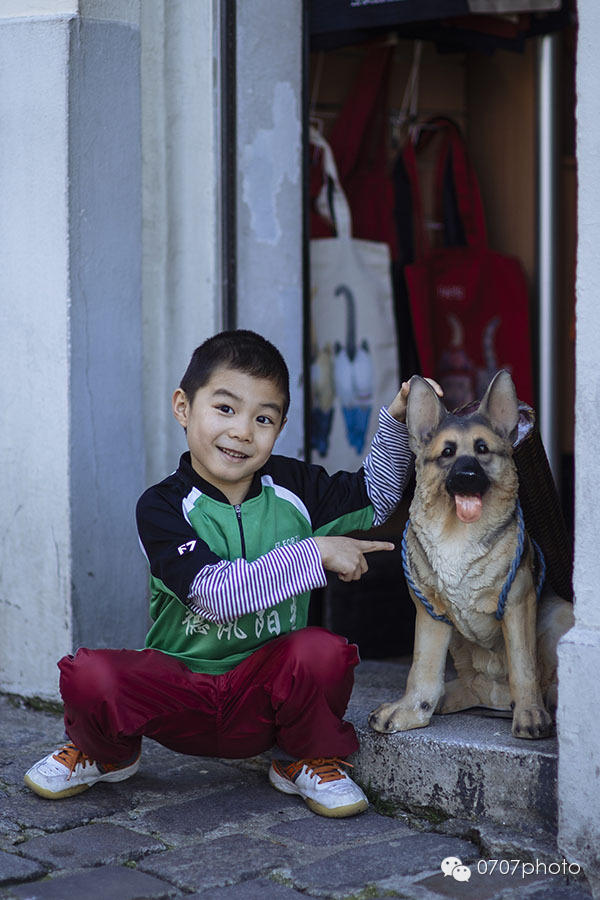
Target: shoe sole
(55,795)
(118,775)
(285,786)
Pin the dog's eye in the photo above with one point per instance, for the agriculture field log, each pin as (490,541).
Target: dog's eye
(448,451)
(481,447)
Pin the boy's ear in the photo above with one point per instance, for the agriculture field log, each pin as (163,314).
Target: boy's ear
(181,407)
(283,421)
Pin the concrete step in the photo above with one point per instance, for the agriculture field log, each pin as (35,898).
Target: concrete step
(466,765)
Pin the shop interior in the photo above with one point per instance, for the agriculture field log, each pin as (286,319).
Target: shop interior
(480,72)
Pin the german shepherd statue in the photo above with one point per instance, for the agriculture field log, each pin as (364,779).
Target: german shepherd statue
(473,592)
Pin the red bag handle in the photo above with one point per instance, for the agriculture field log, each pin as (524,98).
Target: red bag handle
(465,182)
(359,134)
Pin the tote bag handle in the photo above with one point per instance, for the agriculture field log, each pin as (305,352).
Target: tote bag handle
(454,174)
(332,203)
(358,136)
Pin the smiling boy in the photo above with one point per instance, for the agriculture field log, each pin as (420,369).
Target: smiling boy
(236,539)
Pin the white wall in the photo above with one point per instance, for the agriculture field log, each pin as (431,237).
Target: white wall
(269,185)
(35,559)
(579,652)
(181,190)
(70,393)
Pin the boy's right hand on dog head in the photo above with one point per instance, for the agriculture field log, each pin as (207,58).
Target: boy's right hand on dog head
(397,407)
(346,556)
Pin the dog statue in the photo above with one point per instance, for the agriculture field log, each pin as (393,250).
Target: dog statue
(470,567)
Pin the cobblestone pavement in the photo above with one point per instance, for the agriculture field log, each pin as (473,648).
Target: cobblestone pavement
(188,827)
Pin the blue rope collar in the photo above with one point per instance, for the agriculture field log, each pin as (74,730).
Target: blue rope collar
(509,578)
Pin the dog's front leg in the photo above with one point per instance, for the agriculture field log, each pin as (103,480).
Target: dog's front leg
(425,684)
(530,718)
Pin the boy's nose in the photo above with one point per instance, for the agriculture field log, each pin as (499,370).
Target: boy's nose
(241,429)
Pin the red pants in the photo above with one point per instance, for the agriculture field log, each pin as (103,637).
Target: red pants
(292,692)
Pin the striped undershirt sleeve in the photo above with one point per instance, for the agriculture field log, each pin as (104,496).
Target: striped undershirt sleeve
(230,589)
(388,466)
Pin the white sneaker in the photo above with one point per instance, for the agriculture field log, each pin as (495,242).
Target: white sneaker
(326,789)
(69,771)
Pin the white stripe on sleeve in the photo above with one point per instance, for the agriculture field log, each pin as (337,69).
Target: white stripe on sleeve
(230,589)
(388,466)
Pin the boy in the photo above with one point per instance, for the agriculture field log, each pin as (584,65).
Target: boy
(236,539)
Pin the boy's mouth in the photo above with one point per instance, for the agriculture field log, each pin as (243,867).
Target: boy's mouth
(233,454)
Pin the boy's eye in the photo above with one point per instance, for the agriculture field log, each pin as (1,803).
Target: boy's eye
(264,420)
(222,407)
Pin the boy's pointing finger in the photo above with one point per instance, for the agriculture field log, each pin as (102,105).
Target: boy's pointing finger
(371,546)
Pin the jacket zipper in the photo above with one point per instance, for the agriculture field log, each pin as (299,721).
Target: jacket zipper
(238,512)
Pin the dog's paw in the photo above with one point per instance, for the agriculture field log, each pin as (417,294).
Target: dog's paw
(551,700)
(391,717)
(531,722)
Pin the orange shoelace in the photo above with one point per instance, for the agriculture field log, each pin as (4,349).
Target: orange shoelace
(70,756)
(324,769)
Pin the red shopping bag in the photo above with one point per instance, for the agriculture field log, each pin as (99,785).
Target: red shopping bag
(469,304)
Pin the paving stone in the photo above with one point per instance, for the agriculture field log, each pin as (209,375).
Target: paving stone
(320,831)
(353,869)
(12,771)
(22,726)
(13,868)
(219,862)
(194,817)
(181,778)
(479,887)
(107,883)
(573,891)
(31,811)
(261,889)
(90,845)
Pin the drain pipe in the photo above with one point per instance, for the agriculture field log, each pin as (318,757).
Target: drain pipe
(547,247)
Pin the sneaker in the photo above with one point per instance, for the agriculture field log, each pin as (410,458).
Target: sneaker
(326,789)
(69,771)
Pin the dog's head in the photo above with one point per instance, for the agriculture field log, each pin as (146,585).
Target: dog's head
(465,458)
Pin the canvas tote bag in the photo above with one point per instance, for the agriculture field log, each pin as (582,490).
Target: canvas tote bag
(354,354)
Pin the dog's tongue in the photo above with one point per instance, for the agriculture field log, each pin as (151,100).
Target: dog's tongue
(468,507)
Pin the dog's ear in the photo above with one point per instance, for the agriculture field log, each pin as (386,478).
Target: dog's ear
(501,406)
(424,412)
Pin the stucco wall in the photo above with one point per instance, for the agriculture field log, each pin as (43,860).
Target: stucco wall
(71,437)
(107,454)
(35,557)
(579,653)
(269,183)
(180,134)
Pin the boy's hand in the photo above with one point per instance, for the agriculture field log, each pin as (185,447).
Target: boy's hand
(397,407)
(346,556)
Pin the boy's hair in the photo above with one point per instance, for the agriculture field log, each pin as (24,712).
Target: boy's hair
(243,350)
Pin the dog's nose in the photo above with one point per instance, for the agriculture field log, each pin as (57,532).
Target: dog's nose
(467,477)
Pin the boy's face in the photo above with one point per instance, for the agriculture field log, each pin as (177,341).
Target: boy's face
(232,424)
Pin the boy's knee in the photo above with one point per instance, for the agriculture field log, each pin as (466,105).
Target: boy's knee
(327,656)
(87,676)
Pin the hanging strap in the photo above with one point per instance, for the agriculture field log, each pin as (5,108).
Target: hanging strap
(454,163)
(455,172)
(331,202)
(358,138)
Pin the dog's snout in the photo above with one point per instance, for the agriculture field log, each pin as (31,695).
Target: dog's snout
(467,477)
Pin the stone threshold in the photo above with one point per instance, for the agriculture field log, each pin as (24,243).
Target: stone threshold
(465,767)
